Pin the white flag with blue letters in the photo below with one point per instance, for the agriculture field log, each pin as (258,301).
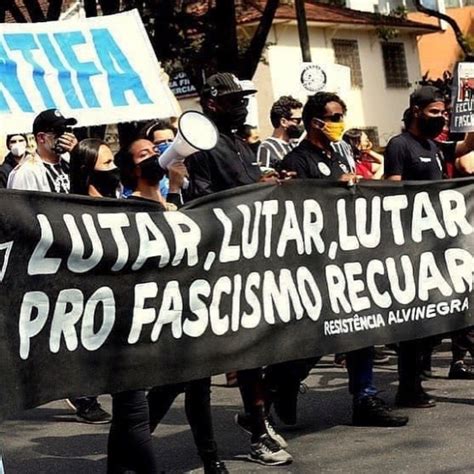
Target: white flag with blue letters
(98,70)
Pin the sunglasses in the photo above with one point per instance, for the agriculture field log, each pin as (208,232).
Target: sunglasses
(333,118)
(297,120)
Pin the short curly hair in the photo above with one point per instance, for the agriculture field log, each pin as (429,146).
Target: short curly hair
(316,106)
(282,109)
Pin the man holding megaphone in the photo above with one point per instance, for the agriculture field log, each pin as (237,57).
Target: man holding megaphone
(229,164)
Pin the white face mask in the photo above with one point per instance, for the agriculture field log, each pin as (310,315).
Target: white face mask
(18,149)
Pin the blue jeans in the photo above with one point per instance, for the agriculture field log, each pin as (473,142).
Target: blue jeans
(360,366)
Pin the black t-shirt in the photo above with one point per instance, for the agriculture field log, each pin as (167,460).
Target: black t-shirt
(417,159)
(312,162)
(229,164)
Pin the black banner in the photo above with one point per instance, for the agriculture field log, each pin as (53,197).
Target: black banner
(101,295)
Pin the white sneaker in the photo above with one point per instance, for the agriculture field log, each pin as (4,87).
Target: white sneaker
(266,451)
(242,421)
(278,438)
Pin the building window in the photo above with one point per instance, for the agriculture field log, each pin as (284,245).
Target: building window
(346,53)
(395,65)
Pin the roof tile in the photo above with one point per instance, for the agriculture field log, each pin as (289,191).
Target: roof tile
(324,13)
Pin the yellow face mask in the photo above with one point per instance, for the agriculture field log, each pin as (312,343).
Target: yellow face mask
(334,130)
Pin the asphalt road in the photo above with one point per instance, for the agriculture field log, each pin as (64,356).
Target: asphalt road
(438,440)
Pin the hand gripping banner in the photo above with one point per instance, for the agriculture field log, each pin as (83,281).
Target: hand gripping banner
(101,295)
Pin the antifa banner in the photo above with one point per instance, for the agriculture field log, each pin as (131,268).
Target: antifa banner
(102,295)
(98,70)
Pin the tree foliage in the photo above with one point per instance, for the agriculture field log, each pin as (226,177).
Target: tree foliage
(197,36)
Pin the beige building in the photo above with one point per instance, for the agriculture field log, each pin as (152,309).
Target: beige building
(383,73)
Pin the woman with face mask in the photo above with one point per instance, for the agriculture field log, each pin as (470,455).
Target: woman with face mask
(93,171)
(136,415)
(17,150)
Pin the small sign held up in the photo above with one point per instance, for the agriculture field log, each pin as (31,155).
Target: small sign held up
(462,117)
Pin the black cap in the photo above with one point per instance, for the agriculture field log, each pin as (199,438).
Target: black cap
(223,83)
(51,120)
(426,95)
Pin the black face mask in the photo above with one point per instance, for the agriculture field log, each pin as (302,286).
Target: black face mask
(106,182)
(431,127)
(295,131)
(254,146)
(151,169)
(232,118)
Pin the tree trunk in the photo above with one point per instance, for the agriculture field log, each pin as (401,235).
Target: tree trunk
(15,12)
(252,56)
(54,10)
(109,6)
(35,11)
(303,31)
(228,52)
(90,7)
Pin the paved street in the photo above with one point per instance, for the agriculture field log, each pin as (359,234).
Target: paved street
(439,440)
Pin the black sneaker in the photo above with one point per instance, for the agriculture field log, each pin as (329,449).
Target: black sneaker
(266,451)
(460,371)
(93,414)
(372,411)
(215,467)
(414,400)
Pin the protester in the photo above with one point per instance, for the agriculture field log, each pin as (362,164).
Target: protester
(135,415)
(17,145)
(231,164)
(314,158)
(49,171)
(369,164)
(414,155)
(285,116)
(461,341)
(250,135)
(93,171)
(162,133)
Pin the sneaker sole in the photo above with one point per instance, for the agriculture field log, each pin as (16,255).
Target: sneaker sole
(90,422)
(417,406)
(265,463)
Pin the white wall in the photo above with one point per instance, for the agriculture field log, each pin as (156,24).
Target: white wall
(373,105)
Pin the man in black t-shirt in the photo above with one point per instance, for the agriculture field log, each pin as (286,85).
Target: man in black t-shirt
(414,155)
(315,158)
(232,163)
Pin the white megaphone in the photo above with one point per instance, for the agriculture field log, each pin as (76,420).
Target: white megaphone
(195,133)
